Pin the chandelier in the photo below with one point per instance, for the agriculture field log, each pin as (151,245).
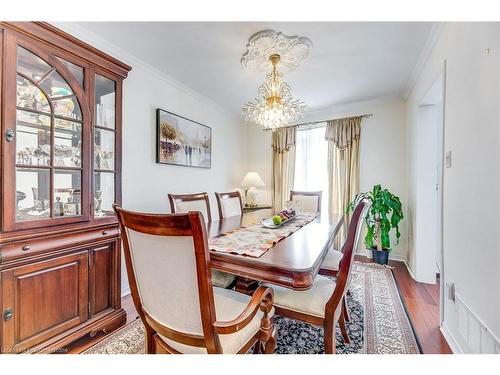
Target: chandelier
(275,107)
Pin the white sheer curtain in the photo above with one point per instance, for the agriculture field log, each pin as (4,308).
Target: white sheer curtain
(311,167)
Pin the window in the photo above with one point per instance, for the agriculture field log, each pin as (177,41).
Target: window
(311,155)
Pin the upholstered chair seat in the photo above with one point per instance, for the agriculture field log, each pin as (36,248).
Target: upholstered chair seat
(228,305)
(332,260)
(311,301)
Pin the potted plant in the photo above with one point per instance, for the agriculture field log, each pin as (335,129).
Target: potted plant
(385,214)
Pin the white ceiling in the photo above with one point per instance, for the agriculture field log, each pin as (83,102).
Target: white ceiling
(349,61)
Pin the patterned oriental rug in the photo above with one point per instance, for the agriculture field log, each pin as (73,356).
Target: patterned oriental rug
(379,323)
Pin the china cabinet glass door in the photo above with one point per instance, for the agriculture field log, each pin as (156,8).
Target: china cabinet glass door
(104,146)
(48,136)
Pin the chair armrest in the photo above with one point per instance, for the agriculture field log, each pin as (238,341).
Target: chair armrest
(262,298)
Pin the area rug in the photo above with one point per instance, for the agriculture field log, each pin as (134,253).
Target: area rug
(379,323)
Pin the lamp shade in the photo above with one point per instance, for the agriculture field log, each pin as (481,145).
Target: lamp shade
(252,179)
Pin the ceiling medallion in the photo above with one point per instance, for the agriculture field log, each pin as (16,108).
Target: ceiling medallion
(292,50)
(274,107)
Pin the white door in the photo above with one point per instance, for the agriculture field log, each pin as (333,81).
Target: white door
(429,185)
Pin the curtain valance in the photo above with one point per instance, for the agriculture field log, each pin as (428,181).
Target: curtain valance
(342,132)
(283,139)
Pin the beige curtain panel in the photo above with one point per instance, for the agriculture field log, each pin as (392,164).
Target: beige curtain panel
(343,165)
(283,145)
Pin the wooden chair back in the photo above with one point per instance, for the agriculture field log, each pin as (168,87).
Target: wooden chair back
(229,204)
(310,200)
(349,250)
(168,268)
(183,203)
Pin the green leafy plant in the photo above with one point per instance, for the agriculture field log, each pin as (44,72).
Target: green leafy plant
(385,213)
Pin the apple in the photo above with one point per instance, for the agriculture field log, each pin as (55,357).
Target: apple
(277,219)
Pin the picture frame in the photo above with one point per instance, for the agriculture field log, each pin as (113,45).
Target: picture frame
(181,141)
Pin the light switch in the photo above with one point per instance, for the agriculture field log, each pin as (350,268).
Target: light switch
(451,290)
(448,159)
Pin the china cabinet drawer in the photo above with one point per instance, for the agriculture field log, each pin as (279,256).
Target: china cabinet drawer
(40,246)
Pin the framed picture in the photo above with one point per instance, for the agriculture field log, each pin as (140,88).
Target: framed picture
(180,141)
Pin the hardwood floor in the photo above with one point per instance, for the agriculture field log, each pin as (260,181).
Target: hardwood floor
(422,304)
(421,300)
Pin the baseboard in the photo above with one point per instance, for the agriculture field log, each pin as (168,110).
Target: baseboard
(397,257)
(450,339)
(410,270)
(125,291)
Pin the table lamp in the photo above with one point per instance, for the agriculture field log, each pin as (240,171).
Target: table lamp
(250,182)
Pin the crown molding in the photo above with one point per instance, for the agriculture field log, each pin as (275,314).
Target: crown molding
(112,49)
(429,45)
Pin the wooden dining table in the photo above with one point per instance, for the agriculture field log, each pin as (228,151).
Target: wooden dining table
(293,262)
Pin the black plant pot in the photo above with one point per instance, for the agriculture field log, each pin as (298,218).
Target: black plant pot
(380,257)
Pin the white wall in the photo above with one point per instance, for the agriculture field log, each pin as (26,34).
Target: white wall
(146,184)
(259,159)
(382,149)
(471,185)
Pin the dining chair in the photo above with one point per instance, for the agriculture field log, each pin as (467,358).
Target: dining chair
(168,267)
(309,201)
(321,305)
(229,204)
(331,264)
(183,203)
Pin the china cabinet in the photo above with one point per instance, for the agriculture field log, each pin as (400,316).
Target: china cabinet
(60,175)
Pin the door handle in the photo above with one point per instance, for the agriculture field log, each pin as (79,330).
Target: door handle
(8,314)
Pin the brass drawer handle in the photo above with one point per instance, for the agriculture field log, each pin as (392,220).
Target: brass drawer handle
(26,248)
(7,315)
(9,135)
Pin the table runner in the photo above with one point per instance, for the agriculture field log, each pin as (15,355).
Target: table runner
(254,240)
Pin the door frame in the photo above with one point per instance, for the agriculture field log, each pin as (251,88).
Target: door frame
(436,96)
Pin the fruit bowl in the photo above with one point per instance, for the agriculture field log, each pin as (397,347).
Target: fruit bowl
(284,217)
